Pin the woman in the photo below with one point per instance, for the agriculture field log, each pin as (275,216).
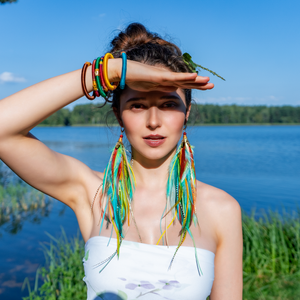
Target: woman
(152,110)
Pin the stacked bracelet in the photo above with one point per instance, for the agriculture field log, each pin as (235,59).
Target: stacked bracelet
(101,89)
(124,70)
(83,85)
(101,74)
(94,80)
(101,84)
(107,56)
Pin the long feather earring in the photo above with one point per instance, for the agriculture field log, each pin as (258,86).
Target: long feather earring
(181,194)
(117,193)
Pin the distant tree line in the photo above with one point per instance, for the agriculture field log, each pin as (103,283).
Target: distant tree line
(232,114)
(7,1)
(200,114)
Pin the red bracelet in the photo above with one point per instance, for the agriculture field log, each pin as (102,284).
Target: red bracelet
(101,75)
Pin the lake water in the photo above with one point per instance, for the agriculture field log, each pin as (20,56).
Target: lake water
(258,165)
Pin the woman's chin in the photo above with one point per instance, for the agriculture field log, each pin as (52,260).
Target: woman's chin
(155,154)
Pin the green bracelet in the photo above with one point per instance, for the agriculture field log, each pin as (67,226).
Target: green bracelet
(97,76)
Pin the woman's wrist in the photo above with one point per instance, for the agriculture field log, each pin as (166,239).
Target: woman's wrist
(114,69)
(89,79)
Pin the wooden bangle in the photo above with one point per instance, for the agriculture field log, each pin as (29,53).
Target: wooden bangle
(83,83)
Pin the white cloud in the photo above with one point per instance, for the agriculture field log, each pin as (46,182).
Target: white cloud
(10,77)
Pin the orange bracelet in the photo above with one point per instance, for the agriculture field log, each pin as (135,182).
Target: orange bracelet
(83,83)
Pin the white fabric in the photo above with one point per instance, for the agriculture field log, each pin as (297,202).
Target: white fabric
(142,271)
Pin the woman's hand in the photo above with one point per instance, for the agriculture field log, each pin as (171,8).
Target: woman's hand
(145,78)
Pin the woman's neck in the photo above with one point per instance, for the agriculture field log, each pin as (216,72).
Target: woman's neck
(151,173)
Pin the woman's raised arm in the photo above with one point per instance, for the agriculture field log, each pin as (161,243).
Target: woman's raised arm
(55,174)
(60,176)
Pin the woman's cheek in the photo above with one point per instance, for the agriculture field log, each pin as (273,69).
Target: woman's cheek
(132,122)
(175,121)
(133,127)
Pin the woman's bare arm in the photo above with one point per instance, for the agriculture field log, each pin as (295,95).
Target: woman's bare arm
(228,282)
(38,165)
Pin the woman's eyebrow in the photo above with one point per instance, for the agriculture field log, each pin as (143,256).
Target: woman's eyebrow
(168,97)
(171,97)
(135,99)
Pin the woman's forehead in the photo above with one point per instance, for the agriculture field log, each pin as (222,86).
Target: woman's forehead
(130,95)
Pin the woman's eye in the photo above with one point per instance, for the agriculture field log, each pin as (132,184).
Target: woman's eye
(136,106)
(169,104)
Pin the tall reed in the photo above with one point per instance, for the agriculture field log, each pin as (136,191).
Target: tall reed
(271,261)
(63,274)
(271,257)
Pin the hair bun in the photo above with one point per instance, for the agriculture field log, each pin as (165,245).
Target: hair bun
(148,48)
(136,35)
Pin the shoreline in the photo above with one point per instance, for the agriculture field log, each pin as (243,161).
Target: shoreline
(196,125)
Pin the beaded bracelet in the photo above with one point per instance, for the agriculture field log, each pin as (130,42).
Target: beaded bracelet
(83,83)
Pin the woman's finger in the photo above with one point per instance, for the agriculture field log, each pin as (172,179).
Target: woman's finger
(184,77)
(198,86)
(188,86)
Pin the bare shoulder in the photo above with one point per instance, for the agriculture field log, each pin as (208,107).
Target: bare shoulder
(223,211)
(99,175)
(215,198)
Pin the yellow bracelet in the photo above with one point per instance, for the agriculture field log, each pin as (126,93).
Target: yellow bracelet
(105,77)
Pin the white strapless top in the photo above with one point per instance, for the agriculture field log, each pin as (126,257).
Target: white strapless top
(142,271)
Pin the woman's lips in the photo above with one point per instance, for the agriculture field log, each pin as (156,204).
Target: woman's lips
(154,140)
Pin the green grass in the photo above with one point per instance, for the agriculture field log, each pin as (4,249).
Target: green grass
(271,257)
(63,273)
(271,262)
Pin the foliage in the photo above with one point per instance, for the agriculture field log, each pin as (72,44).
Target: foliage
(271,256)
(91,114)
(193,66)
(7,1)
(81,115)
(61,117)
(234,114)
(271,262)
(63,274)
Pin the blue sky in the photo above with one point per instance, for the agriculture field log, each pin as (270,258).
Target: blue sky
(254,44)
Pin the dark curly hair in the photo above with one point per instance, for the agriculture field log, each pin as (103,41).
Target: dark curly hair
(146,47)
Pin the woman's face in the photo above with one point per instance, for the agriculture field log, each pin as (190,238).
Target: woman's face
(153,122)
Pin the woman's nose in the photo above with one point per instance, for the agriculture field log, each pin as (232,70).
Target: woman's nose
(153,118)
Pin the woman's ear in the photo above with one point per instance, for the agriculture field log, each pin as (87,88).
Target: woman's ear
(188,113)
(118,116)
